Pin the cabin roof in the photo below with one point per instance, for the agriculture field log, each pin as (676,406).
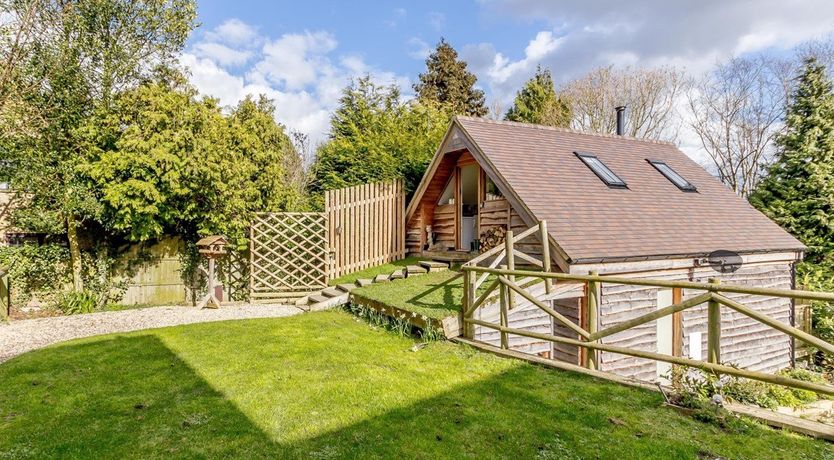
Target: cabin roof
(591,221)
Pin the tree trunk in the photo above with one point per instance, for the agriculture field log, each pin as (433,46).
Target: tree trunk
(75,254)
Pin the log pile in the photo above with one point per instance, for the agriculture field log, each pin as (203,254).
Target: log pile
(491,238)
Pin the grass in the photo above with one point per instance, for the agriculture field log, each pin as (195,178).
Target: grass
(435,295)
(324,385)
(370,273)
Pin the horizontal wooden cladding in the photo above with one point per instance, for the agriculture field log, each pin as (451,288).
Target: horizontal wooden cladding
(366,226)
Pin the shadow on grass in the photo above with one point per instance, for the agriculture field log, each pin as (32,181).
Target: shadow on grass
(450,299)
(132,397)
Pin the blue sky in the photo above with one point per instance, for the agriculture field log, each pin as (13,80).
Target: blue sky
(303,53)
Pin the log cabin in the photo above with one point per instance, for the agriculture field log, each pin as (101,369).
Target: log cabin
(616,205)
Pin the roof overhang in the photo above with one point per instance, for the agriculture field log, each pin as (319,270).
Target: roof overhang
(451,143)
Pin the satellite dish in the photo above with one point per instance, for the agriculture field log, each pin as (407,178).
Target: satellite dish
(724,261)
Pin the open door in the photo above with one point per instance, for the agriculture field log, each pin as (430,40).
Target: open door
(468,210)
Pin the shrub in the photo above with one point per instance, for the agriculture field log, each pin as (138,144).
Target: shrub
(694,384)
(41,270)
(73,303)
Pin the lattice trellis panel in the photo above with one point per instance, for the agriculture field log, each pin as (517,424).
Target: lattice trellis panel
(288,255)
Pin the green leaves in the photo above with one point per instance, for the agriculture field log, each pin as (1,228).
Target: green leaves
(375,136)
(538,103)
(168,162)
(798,192)
(448,82)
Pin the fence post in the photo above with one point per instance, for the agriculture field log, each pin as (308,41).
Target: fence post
(508,247)
(503,291)
(251,259)
(548,283)
(5,294)
(714,327)
(593,313)
(468,328)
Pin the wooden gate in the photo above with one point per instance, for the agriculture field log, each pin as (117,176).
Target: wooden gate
(366,225)
(289,255)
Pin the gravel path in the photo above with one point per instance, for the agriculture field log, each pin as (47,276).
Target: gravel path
(21,336)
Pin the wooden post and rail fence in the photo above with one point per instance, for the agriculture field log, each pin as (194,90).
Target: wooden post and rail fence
(510,282)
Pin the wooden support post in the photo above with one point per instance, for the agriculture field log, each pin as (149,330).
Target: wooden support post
(508,247)
(548,283)
(468,328)
(5,295)
(714,327)
(503,294)
(593,314)
(251,261)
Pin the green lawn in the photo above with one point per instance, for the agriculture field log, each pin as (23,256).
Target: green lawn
(370,273)
(435,295)
(324,385)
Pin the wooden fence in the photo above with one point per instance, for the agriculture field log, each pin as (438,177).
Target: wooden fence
(504,279)
(366,224)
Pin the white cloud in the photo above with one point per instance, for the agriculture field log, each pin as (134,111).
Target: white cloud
(294,60)
(299,71)
(419,49)
(222,54)
(234,31)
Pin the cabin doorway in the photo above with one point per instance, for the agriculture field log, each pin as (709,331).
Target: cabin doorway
(468,210)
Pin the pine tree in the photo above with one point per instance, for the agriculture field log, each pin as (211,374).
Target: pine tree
(798,191)
(448,83)
(537,102)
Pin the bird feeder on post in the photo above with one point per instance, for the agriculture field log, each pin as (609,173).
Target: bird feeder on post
(212,248)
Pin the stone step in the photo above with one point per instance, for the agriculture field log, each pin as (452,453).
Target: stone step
(332,291)
(381,278)
(329,302)
(346,287)
(434,266)
(397,275)
(362,282)
(302,301)
(317,298)
(416,270)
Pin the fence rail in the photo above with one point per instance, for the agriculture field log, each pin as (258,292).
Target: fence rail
(366,225)
(589,339)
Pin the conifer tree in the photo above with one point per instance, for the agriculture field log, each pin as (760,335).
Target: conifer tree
(537,102)
(798,192)
(447,82)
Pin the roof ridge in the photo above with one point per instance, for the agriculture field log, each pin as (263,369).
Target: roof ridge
(563,130)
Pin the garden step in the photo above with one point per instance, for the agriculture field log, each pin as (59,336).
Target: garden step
(302,301)
(317,298)
(332,291)
(329,302)
(381,278)
(397,275)
(434,266)
(416,270)
(346,287)
(362,282)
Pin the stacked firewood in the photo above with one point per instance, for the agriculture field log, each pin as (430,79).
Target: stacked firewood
(491,238)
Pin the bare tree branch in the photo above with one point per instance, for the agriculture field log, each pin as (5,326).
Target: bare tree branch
(650,95)
(736,112)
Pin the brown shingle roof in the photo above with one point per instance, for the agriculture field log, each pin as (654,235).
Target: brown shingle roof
(652,218)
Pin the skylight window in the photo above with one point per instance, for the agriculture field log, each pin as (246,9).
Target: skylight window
(602,171)
(673,176)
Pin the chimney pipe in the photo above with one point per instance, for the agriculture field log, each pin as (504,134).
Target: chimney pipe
(620,119)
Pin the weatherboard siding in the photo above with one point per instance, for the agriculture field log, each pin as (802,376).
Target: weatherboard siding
(744,341)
